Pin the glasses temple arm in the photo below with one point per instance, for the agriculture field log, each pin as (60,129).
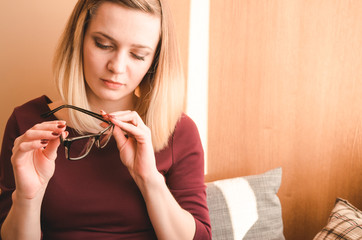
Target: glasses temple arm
(93,114)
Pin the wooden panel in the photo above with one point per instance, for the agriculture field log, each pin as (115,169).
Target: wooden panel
(286,90)
(181,15)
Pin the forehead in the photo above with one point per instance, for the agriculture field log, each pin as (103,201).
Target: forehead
(122,23)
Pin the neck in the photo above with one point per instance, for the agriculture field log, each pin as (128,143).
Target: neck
(109,106)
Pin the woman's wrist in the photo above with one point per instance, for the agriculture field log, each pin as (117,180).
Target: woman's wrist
(25,201)
(23,220)
(150,181)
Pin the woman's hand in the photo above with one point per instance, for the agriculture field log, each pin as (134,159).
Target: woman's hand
(33,158)
(134,142)
(169,220)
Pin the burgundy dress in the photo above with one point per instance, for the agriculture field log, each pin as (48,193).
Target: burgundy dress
(96,198)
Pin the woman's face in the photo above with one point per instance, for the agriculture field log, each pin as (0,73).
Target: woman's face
(119,46)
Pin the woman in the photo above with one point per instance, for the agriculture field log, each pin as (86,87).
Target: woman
(118,58)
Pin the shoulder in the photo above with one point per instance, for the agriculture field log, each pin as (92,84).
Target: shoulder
(186,127)
(29,113)
(37,105)
(22,118)
(186,138)
(187,156)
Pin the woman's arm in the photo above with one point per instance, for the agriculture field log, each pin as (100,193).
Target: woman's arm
(23,220)
(169,220)
(32,160)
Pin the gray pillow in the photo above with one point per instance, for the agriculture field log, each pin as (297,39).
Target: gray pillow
(246,207)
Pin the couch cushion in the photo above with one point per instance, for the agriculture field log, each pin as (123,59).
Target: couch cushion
(344,222)
(246,207)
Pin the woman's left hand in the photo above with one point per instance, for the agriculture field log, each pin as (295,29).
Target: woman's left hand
(169,220)
(134,142)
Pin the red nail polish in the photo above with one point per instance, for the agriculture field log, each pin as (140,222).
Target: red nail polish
(55,134)
(44,141)
(61,126)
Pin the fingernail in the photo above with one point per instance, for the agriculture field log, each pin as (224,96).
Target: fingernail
(44,141)
(55,134)
(103,112)
(61,125)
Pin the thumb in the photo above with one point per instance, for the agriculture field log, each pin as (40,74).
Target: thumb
(121,139)
(50,150)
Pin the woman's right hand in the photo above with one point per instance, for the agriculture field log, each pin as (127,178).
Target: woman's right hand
(33,158)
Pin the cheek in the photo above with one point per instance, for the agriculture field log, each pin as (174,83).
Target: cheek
(138,74)
(93,63)
(142,71)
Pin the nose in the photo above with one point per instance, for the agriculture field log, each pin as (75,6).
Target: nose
(117,64)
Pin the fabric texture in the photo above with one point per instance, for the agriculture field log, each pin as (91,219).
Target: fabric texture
(246,207)
(96,198)
(344,222)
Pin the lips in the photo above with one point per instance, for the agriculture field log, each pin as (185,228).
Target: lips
(112,84)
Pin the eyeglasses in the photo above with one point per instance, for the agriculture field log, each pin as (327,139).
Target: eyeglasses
(78,147)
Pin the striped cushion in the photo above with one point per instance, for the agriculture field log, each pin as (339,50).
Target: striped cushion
(246,207)
(345,222)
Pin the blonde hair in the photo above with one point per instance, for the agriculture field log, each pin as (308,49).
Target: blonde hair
(161,92)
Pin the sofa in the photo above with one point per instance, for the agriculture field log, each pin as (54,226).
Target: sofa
(248,208)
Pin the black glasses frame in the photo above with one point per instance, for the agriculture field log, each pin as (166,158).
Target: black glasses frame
(94,137)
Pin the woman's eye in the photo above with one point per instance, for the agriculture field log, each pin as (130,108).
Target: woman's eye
(138,57)
(102,46)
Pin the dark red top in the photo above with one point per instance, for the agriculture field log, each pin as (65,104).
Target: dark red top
(96,198)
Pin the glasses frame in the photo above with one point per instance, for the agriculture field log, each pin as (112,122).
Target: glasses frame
(67,142)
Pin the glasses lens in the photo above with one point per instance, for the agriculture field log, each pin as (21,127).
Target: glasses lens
(104,138)
(80,147)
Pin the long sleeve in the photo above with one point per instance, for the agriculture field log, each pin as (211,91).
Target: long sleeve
(22,118)
(7,183)
(185,178)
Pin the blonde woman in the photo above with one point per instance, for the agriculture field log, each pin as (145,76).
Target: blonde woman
(115,158)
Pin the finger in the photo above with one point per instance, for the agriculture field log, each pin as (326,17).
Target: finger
(130,116)
(34,139)
(124,115)
(121,139)
(45,130)
(142,135)
(108,116)
(32,145)
(38,137)
(49,125)
(34,135)
(126,126)
(104,115)
(50,150)
(23,148)
(120,113)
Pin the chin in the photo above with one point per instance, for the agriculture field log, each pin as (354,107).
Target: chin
(115,97)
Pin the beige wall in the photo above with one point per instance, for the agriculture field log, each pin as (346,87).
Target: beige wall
(29,34)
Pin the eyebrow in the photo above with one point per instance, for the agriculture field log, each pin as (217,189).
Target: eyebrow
(114,40)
